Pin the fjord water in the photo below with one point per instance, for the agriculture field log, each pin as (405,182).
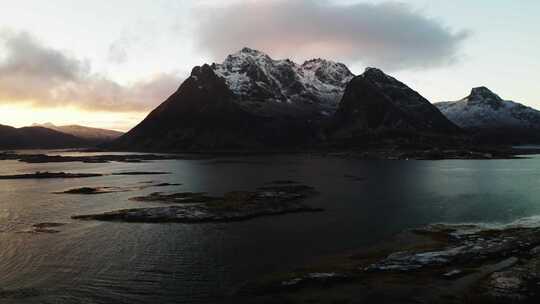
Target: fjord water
(109,262)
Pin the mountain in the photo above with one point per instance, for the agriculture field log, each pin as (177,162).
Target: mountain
(281,87)
(249,101)
(492,119)
(375,103)
(36,138)
(93,135)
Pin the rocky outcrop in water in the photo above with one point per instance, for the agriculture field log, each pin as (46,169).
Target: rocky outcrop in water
(48,175)
(434,264)
(199,208)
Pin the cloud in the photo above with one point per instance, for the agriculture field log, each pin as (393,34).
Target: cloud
(118,50)
(390,35)
(33,73)
(129,39)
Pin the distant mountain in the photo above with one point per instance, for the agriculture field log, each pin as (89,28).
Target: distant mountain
(249,101)
(37,138)
(94,135)
(492,119)
(376,104)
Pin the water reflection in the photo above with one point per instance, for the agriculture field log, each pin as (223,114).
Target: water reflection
(175,263)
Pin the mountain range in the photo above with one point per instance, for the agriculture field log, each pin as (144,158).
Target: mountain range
(248,101)
(251,101)
(37,138)
(49,136)
(95,135)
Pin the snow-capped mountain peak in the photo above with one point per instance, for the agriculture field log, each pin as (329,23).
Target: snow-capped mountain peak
(259,81)
(327,71)
(246,56)
(483,109)
(483,95)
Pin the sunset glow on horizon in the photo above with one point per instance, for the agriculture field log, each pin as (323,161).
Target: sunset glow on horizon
(112,73)
(24,115)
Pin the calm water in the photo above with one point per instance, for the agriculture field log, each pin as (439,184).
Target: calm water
(99,262)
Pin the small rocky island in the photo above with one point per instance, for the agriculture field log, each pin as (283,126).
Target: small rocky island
(435,264)
(104,190)
(93,190)
(100,158)
(46,227)
(141,173)
(198,207)
(48,175)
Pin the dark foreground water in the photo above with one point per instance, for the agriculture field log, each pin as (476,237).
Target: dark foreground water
(100,262)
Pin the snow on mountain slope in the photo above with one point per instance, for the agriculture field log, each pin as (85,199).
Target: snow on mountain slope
(483,109)
(259,81)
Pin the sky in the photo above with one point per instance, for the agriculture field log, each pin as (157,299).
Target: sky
(107,63)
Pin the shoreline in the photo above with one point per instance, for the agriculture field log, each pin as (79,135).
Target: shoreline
(437,263)
(390,153)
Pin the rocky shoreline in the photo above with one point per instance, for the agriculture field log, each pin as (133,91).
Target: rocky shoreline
(434,153)
(382,153)
(200,208)
(434,264)
(127,158)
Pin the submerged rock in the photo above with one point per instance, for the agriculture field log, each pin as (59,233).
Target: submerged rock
(354,178)
(44,228)
(17,294)
(319,278)
(141,173)
(282,182)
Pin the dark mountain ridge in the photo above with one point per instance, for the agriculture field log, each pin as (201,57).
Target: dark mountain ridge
(252,102)
(375,103)
(92,135)
(37,138)
(249,102)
